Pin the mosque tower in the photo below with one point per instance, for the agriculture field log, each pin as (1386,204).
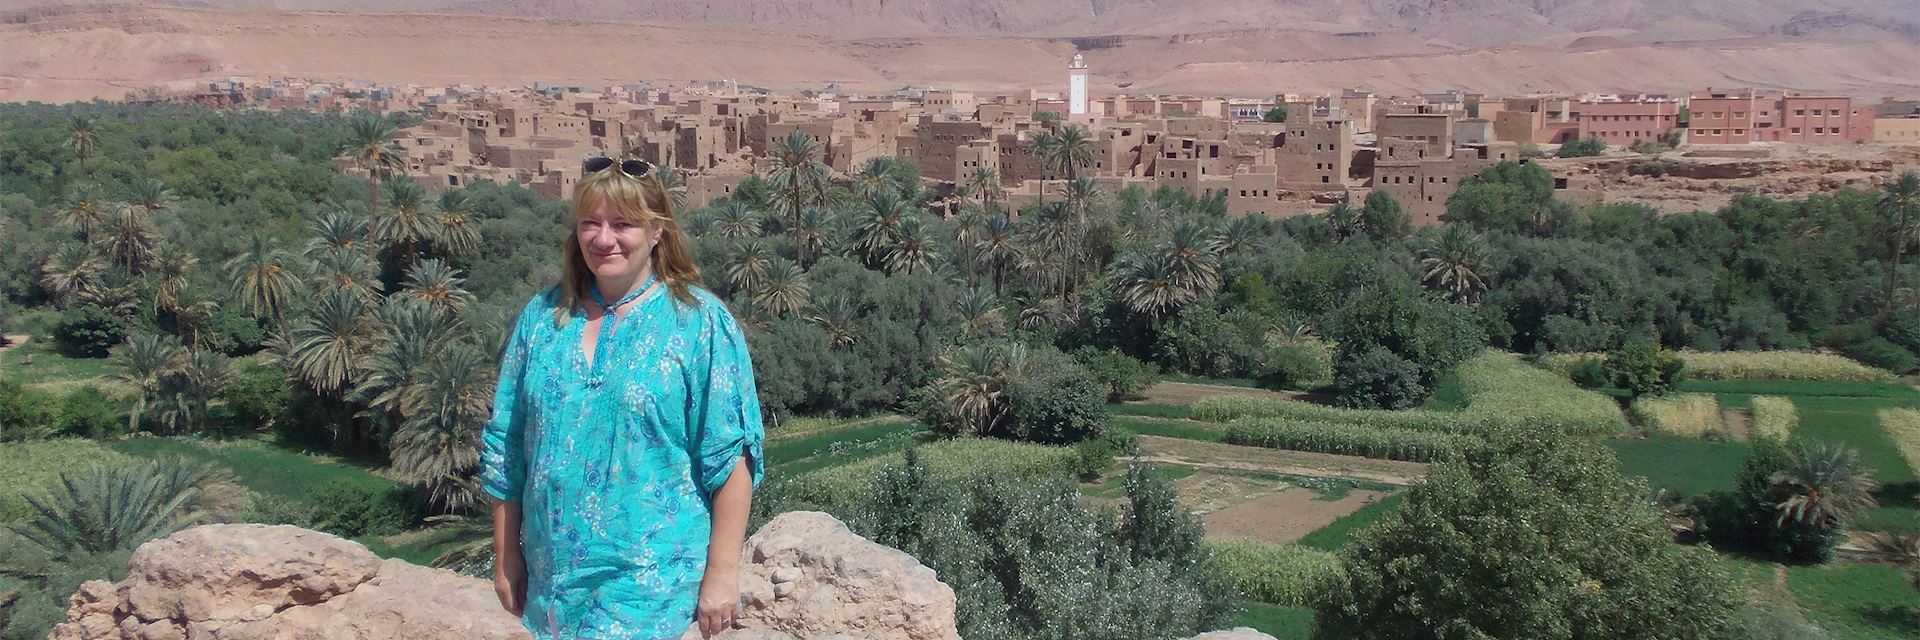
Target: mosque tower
(1077,86)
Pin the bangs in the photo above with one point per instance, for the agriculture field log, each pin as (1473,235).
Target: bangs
(628,196)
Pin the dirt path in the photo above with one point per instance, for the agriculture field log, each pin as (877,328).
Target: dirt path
(1189,393)
(12,342)
(1736,421)
(1213,455)
(1284,517)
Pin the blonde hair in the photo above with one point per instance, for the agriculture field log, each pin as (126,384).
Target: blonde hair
(637,200)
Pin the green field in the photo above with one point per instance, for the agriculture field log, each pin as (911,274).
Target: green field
(1334,536)
(1687,466)
(1857,601)
(258,465)
(1284,623)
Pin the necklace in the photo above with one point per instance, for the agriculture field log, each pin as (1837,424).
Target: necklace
(606,328)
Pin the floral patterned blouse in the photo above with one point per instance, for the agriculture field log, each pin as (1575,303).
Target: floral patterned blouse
(614,464)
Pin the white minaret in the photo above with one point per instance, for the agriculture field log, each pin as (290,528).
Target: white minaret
(1077,86)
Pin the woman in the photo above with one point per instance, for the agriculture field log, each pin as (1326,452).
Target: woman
(625,442)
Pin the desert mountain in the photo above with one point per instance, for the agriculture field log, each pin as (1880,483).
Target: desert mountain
(1862,47)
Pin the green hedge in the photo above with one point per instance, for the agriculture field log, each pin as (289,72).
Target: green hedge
(1283,575)
(1346,439)
(1500,391)
(950,461)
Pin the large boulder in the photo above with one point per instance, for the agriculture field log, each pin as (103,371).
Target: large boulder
(803,575)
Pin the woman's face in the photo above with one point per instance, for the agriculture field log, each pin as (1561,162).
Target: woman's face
(614,247)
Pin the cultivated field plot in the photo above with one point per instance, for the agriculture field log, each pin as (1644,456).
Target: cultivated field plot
(1284,517)
(1168,392)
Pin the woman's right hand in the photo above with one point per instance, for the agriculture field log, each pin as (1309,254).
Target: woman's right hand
(510,582)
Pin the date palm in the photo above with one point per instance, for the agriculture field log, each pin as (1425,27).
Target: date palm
(410,219)
(335,231)
(737,220)
(798,176)
(80,139)
(783,291)
(980,314)
(873,176)
(983,183)
(202,374)
(879,220)
(1344,220)
(128,241)
(171,266)
(438,446)
(1151,283)
(149,196)
(86,209)
(350,269)
(1454,262)
(115,292)
(71,269)
(411,333)
(1243,236)
(370,143)
(972,387)
(751,259)
(839,315)
(1070,149)
(815,224)
(329,346)
(105,509)
(458,233)
(998,247)
(912,248)
(1900,211)
(1823,485)
(674,184)
(1194,250)
(143,362)
(440,286)
(263,280)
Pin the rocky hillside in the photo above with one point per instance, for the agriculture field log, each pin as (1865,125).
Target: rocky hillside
(804,575)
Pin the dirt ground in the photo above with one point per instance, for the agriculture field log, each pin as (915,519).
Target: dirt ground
(1736,421)
(1189,393)
(10,342)
(1283,517)
(1216,456)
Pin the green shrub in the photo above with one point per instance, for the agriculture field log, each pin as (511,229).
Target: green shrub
(1774,418)
(1377,379)
(1643,368)
(1297,364)
(1093,457)
(1350,440)
(1583,148)
(26,414)
(87,412)
(1288,575)
(350,509)
(89,332)
(1054,400)
(260,398)
(1589,373)
(1687,415)
(1120,374)
(1881,353)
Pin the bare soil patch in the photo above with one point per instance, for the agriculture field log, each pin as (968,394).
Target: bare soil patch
(1284,517)
(11,342)
(1216,456)
(1190,393)
(1736,421)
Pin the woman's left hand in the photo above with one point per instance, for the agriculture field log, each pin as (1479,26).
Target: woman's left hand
(719,602)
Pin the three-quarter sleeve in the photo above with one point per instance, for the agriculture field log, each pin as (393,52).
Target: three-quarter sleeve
(503,455)
(725,405)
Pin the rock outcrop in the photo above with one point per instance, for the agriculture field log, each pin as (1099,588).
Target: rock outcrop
(803,575)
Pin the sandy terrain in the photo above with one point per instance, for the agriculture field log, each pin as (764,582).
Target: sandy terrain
(1707,183)
(79,54)
(1284,517)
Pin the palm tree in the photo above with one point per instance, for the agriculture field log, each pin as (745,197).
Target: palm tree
(458,233)
(410,219)
(110,508)
(1453,262)
(812,232)
(1243,235)
(839,315)
(85,210)
(998,248)
(149,196)
(438,446)
(335,231)
(329,349)
(370,142)
(1344,220)
(879,221)
(912,249)
(128,241)
(738,220)
(784,289)
(873,176)
(81,139)
(799,176)
(1822,485)
(749,265)
(1070,149)
(1194,251)
(144,362)
(352,270)
(411,334)
(437,284)
(983,183)
(1152,283)
(674,184)
(263,281)
(972,387)
(202,373)
(70,270)
(171,264)
(1900,209)
(115,292)
(980,314)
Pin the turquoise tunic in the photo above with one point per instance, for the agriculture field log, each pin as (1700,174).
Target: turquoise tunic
(614,465)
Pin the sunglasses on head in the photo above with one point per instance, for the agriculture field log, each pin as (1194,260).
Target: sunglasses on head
(635,168)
